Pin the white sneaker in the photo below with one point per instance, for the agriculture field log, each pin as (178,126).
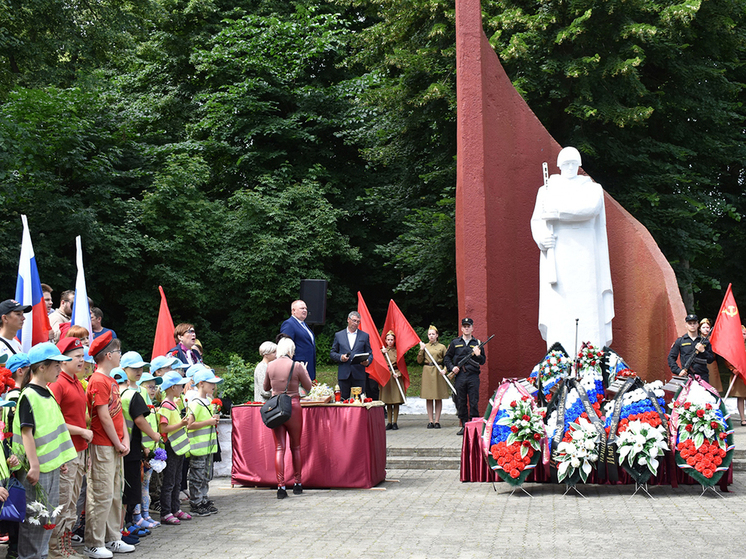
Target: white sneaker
(119,547)
(98,552)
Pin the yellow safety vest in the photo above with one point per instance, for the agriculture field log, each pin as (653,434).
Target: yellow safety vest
(152,420)
(202,441)
(179,439)
(54,446)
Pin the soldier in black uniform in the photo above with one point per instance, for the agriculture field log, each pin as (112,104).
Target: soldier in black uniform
(467,378)
(688,344)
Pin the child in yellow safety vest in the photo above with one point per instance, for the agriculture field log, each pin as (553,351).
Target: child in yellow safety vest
(203,441)
(40,434)
(148,387)
(177,446)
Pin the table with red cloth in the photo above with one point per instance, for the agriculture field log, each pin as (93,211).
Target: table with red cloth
(475,468)
(341,446)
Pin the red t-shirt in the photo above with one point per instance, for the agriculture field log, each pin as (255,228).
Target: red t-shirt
(102,390)
(70,395)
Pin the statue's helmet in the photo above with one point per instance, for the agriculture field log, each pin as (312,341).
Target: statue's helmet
(569,154)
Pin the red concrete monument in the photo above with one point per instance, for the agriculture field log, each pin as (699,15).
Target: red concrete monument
(501,147)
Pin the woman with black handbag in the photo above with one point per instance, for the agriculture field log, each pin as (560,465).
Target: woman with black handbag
(284,376)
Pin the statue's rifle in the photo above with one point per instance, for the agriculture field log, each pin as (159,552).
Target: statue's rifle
(551,261)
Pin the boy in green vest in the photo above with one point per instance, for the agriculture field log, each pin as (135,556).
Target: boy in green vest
(203,441)
(177,445)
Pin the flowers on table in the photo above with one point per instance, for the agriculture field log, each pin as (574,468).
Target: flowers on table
(158,461)
(553,368)
(320,392)
(576,454)
(513,432)
(704,437)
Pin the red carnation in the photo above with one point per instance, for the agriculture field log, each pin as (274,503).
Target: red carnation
(723,435)
(708,473)
(514,428)
(700,413)
(708,406)
(687,405)
(514,473)
(537,437)
(526,418)
(513,404)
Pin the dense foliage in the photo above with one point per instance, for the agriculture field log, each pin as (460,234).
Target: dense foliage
(226,150)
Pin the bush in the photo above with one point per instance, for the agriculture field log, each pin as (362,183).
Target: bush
(239,380)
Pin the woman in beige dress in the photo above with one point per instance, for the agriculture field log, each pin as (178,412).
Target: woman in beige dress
(434,388)
(739,388)
(390,394)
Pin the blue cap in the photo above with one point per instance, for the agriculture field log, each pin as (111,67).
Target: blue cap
(133,360)
(194,369)
(147,376)
(206,375)
(87,357)
(6,403)
(172,378)
(119,375)
(17,361)
(42,352)
(164,362)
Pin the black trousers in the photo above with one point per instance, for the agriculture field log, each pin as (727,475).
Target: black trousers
(171,482)
(345,386)
(371,388)
(467,386)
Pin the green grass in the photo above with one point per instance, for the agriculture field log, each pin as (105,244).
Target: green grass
(328,374)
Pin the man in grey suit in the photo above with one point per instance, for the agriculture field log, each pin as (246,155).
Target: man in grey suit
(347,343)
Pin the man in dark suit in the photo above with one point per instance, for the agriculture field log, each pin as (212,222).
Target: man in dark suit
(305,342)
(347,343)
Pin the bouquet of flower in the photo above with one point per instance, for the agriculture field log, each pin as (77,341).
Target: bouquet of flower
(553,368)
(576,455)
(513,432)
(320,392)
(642,406)
(158,461)
(590,357)
(703,434)
(217,405)
(6,380)
(38,511)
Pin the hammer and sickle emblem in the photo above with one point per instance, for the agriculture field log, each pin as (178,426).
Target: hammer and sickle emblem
(731,311)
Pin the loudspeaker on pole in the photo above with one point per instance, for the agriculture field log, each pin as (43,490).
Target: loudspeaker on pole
(313,292)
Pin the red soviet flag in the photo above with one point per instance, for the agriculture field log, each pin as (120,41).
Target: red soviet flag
(726,337)
(164,331)
(378,369)
(406,337)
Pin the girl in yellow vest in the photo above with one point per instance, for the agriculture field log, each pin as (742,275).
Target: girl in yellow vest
(177,446)
(148,387)
(40,433)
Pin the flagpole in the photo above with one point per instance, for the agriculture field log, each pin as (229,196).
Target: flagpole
(735,376)
(441,371)
(398,384)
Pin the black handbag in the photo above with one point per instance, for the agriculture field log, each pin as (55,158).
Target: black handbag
(278,409)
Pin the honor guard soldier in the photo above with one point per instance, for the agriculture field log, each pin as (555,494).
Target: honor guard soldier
(691,344)
(467,376)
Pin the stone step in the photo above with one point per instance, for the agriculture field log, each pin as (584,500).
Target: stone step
(432,451)
(423,463)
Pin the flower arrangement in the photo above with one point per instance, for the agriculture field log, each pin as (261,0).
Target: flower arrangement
(589,357)
(635,407)
(320,392)
(158,461)
(640,445)
(6,380)
(38,510)
(576,454)
(593,385)
(217,405)
(513,432)
(553,368)
(704,437)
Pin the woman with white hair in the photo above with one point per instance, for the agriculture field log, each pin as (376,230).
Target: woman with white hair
(286,374)
(267,350)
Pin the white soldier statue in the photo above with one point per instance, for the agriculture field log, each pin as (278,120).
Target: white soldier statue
(569,226)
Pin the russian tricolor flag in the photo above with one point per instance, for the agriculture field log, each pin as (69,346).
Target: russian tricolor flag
(28,292)
(81,310)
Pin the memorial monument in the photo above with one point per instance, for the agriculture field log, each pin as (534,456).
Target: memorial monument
(501,146)
(576,300)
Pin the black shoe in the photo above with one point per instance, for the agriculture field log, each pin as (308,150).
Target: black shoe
(394,427)
(297,489)
(211,509)
(389,426)
(281,493)
(200,511)
(437,425)
(156,506)
(431,425)
(460,431)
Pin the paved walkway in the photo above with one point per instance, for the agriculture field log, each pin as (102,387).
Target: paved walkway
(431,514)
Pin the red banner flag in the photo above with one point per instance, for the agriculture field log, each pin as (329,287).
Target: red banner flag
(726,337)
(378,369)
(406,337)
(164,331)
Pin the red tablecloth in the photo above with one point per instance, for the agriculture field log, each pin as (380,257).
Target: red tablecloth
(342,446)
(474,467)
